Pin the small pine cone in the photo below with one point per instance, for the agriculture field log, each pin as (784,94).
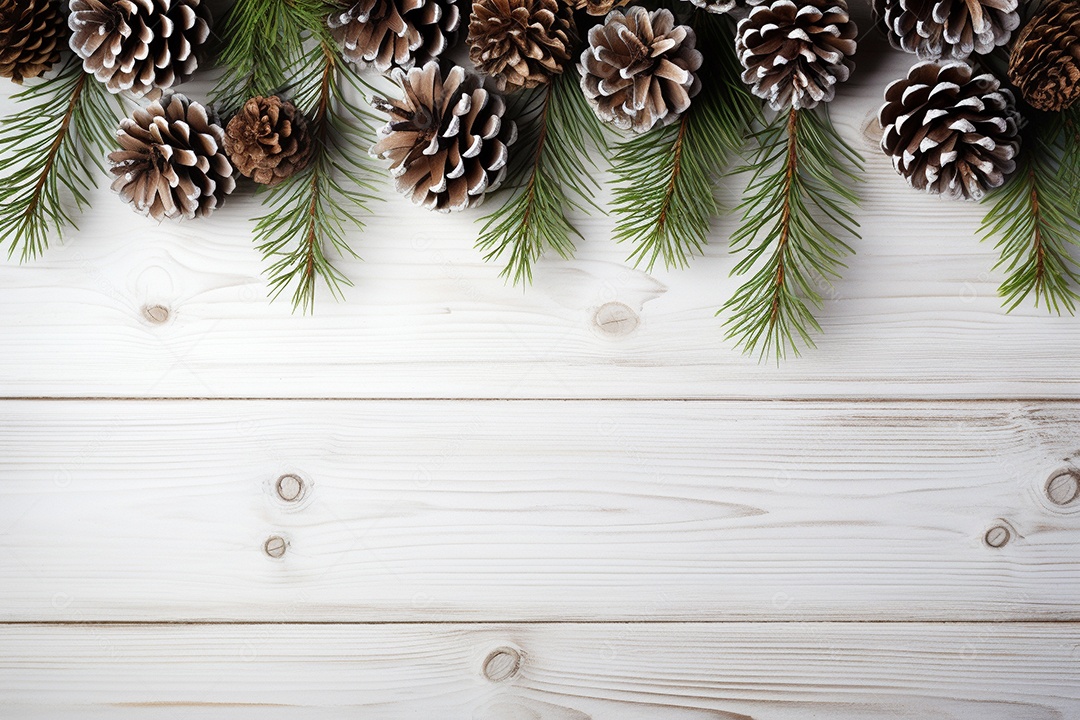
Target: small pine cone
(948,132)
(139,46)
(935,29)
(640,68)
(31,35)
(172,163)
(720,7)
(268,140)
(794,53)
(395,33)
(520,43)
(1045,62)
(597,8)
(447,140)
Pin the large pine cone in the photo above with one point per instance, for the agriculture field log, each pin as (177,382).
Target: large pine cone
(950,133)
(640,69)
(172,163)
(520,43)
(934,29)
(794,53)
(268,140)
(395,33)
(1045,62)
(31,35)
(139,46)
(447,140)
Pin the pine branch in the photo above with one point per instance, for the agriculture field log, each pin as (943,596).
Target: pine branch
(797,199)
(56,144)
(309,213)
(1036,219)
(556,178)
(665,199)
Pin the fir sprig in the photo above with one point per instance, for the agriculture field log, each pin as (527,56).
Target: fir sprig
(1036,219)
(799,199)
(56,144)
(555,132)
(665,196)
(308,214)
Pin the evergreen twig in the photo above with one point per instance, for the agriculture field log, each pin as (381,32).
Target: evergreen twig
(665,197)
(556,179)
(797,200)
(56,144)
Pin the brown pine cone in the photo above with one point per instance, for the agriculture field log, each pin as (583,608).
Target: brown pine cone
(447,140)
(934,29)
(794,53)
(139,46)
(520,43)
(640,69)
(597,8)
(268,140)
(1045,62)
(31,35)
(172,163)
(949,132)
(395,33)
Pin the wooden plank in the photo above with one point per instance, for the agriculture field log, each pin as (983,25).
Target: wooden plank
(136,309)
(778,671)
(532,510)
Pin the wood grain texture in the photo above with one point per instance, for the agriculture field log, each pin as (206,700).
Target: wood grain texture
(130,308)
(534,510)
(778,671)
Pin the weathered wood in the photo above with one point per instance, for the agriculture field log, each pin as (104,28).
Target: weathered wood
(488,511)
(743,671)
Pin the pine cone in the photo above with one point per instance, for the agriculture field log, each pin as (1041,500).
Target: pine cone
(640,68)
(1045,62)
(395,33)
(172,163)
(724,6)
(268,140)
(597,8)
(141,46)
(934,29)
(950,133)
(31,35)
(447,140)
(520,43)
(794,53)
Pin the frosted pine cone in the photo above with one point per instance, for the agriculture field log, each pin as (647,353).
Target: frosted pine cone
(640,69)
(395,33)
(31,35)
(934,29)
(794,53)
(948,132)
(139,46)
(447,141)
(1045,62)
(172,163)
(724,6)
(520,43)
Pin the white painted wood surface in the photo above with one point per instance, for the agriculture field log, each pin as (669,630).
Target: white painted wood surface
(896,475)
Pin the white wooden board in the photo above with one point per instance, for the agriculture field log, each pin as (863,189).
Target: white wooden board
(425,510)
(131,308)
(776,671)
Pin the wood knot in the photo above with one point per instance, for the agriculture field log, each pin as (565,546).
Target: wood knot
(998,536)
(614,319)
(1063,487)
(157,314)
(502,664)
(291,488)
(275,546)
(872,131)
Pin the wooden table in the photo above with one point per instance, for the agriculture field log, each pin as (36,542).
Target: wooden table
(450,498)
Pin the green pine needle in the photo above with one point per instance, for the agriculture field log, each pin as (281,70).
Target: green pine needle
(665,195)
(55,145)
(1036,218)
(797,201)
(308,214)
(553,141)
